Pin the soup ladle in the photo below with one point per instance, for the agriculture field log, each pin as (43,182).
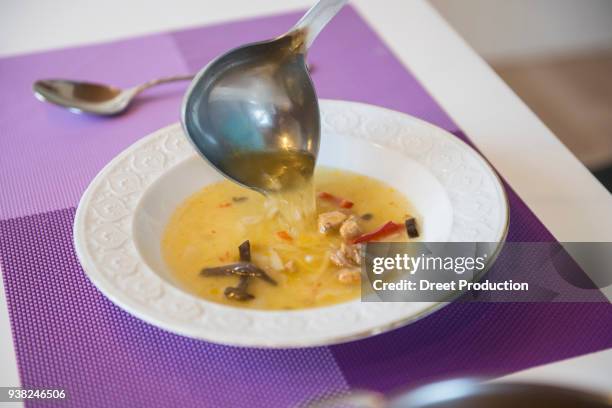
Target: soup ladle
(258,98)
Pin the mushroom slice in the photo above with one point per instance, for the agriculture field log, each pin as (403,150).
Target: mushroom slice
(239,292)
(239,269)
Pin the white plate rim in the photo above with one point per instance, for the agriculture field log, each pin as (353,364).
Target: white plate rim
(142,293)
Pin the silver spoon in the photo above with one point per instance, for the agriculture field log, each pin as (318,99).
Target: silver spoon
(93,98)
(258,98)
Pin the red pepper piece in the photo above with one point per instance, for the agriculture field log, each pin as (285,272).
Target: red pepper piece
(341,202)
(386,230)
(284,235)
(346,203)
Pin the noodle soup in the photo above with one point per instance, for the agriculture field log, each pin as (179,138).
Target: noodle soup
(296,259)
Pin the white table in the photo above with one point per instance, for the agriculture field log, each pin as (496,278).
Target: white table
(558,188)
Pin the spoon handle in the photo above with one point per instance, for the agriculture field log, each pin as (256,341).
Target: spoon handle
(317,18)
(159,81)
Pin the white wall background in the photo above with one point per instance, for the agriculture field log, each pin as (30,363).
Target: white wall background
(510,29)
(497,29)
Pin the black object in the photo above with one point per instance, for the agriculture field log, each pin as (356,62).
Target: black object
(411,228)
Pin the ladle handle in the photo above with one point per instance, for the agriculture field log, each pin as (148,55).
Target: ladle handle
(316,19)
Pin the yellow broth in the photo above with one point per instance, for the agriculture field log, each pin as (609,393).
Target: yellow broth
(206,230)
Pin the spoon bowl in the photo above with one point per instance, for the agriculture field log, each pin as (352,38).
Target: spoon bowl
(81,96)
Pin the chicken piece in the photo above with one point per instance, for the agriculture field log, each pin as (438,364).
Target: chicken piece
(340,259)
(352,252)
(346,256)
(330,220)
(290,267)
(349,276)
(350,228)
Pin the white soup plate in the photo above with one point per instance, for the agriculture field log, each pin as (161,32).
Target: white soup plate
(122,215)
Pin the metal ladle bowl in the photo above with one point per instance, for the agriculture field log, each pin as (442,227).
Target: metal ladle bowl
(467,393)
(258,98)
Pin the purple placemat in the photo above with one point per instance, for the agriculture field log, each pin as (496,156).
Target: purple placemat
(68,335)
